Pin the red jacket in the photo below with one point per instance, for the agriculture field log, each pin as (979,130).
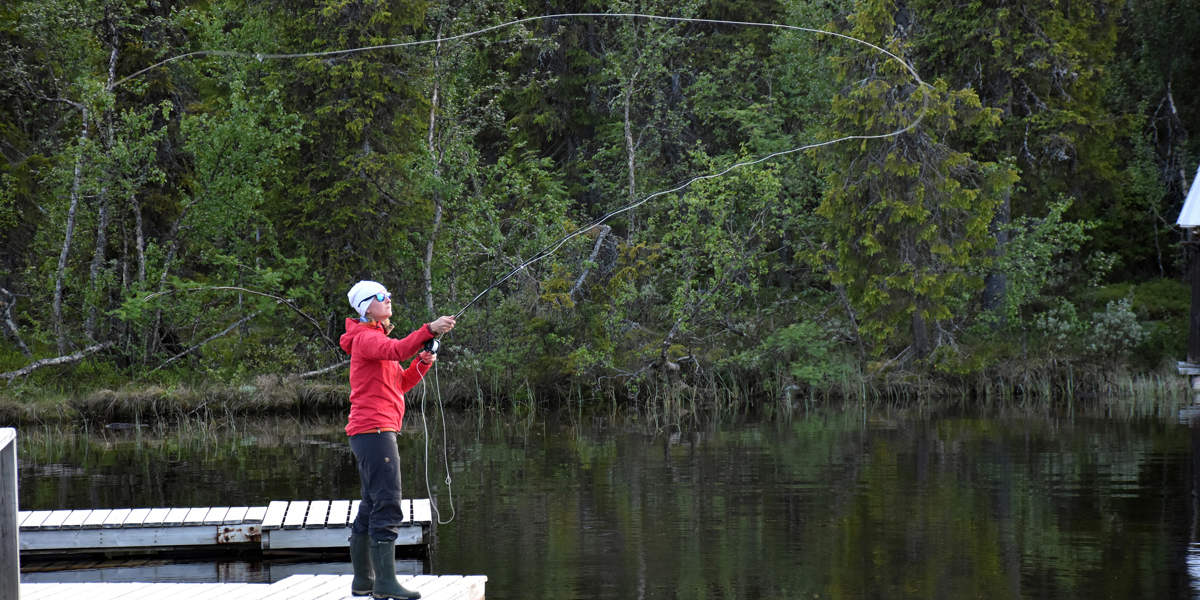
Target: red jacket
(377,383)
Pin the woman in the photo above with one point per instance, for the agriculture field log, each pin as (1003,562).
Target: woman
(377,386)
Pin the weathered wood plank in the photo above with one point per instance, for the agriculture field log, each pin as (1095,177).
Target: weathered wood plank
(10,533)
(175,517)
(354,510)
(117,517)
(317,513)
(422,511)
(76,518)
(34,520)
(135,518)
(235,515)
(55,520)
(273,519)
(295,514)
(22,515)
(339,512)
(406,510)
(215,515)
(95,519)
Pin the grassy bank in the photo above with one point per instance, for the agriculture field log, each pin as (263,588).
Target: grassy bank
(656,398)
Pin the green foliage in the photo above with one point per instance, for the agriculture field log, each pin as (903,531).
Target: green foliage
(1033,261)
(907,216)
(223,205)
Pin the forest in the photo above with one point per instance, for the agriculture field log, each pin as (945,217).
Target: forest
(1003,226)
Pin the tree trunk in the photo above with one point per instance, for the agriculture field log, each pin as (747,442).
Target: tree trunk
(141,237)
(995,285)
(437,175)
(97,262)
(919,333)
(59,330)
(630,148)
(10,324)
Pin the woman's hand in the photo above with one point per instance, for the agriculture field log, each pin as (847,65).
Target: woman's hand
(442,325)
(427,357)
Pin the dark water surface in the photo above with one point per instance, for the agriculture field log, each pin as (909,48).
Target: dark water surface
(827,506)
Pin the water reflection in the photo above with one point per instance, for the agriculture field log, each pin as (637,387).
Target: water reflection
(830,506)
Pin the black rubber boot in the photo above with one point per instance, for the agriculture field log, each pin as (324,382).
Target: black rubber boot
(383,559)
(360,557)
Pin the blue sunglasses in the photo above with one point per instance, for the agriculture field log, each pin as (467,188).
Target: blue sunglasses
(379,297)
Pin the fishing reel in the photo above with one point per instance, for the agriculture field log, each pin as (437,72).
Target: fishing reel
(432,346)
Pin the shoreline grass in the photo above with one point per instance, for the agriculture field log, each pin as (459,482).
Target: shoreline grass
(659,401)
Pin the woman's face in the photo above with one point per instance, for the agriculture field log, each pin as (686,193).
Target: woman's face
(379,311)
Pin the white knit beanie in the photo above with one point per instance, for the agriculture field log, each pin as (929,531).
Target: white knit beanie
(360,292)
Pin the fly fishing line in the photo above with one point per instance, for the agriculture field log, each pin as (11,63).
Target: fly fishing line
(554,246)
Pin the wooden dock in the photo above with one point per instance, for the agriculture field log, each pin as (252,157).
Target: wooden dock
(281,525)
(296,587)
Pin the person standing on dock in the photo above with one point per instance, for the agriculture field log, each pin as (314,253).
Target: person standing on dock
(377,386)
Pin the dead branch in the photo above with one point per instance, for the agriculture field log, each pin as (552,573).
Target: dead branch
(591,259)
(10,324)
(60,360)
(201,344)
(324,371)
(285,301)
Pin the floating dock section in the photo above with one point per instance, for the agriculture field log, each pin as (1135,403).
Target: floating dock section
(296,525)
(296,587)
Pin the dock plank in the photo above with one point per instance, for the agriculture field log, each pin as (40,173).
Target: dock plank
(354,510)
(422,511)
(195,515)
(55,520)
(406,511)
(95,519)
(280,589)
(174,517)
(256,514)
(273,519)
(34,520)
(433,584)
(135,517)
(317,513)
(235,515)
(295,514)
(215,515)
(151,591)
(318,586)
(76,518)
(22,515)
(36,591)
(339,510)
(156,516)
(117,517)
(222,591)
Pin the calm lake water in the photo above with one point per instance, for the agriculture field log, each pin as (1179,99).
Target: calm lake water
(828,505)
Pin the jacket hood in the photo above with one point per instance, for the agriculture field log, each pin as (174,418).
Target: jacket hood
(354,329)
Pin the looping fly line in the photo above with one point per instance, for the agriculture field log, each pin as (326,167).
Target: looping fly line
(550,249)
